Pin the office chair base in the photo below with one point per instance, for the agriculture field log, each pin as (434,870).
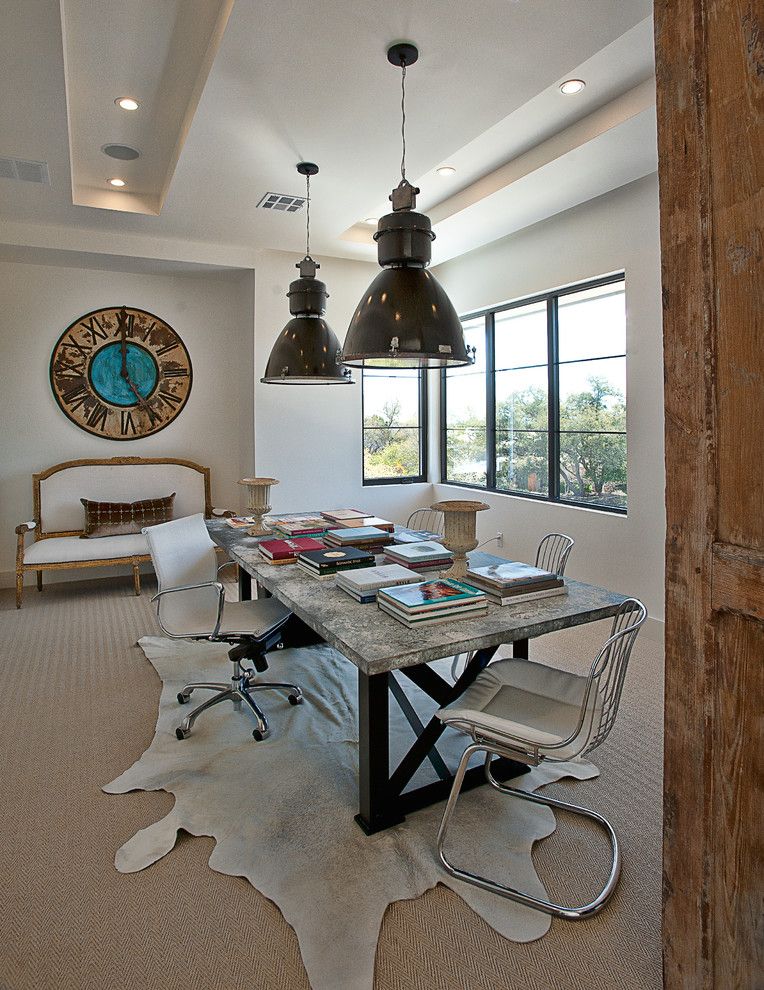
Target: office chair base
(575,913)
(238,691)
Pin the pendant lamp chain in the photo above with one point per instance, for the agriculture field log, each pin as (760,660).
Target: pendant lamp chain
(307,224)
(403,118)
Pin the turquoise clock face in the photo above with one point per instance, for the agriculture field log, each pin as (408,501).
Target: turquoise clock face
(108,382)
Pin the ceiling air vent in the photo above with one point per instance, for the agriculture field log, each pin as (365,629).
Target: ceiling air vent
(18,168)
(277,201)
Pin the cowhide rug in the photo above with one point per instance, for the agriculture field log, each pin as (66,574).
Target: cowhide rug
(281,811)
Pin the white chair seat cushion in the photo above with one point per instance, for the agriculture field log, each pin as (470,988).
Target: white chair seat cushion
(71,549)
(193,613)
(527,701)
(253,618)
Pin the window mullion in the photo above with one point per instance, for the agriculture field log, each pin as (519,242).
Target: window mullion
(490,400)
(554,398)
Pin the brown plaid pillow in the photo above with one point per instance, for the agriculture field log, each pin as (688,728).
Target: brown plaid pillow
(120,518)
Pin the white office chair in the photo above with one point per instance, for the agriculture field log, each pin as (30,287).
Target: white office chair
(530,712)
(191,605)
(553,552)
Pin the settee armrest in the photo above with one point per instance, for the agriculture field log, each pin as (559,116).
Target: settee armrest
(26,527)
(222,513)
(21,532)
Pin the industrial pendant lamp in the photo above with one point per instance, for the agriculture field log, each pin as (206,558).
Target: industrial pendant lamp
(307,351)
(405,319)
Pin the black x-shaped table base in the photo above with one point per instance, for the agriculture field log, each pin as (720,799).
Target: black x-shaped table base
(383,799)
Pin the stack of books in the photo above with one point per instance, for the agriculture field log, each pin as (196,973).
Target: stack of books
(364,537)
(364,584)
(324,564)
(286,551)
(513,582)
(429,602)
(344,516)
(385,524)
(240,522)
(421,557)
(403,535)
(290,526)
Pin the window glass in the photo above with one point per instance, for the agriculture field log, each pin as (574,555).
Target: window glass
(521,336)
(392,431)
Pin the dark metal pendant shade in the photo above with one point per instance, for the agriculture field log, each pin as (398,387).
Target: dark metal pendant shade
(307,350)
(405,320)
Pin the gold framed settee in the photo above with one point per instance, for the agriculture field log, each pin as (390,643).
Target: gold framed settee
(58,514)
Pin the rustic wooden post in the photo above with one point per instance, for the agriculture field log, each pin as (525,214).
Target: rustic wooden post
(710,86)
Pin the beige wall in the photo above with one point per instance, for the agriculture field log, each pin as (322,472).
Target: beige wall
(616,231)
(214,316)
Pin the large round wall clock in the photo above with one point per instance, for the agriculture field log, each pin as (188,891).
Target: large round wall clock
(120,373)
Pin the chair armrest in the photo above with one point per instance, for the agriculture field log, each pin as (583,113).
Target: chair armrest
(222,513)
(21,532)
(26,527)
(196,587)
(227,563)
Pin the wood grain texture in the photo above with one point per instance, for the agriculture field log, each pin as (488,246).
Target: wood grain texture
(710,72)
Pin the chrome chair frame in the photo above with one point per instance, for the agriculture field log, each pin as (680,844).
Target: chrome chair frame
(429,519)
(242,678)
(606,678)
(553,552)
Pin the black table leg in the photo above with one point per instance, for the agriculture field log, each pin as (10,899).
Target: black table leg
(374,809)
(245,585)
(520,649)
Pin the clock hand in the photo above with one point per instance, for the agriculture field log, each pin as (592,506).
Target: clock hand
(122,318)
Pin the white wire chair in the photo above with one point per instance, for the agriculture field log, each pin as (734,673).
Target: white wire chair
(502,714)
(430,520)
(553,552)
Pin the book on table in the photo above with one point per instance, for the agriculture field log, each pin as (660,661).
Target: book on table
(364,583)
(404,535)
(357,535)
(240,522)
(427,596)
(422,568)
(510,573)
(496,598)
(419,553)
(286,551)
(342,515)
(298,525)
(357,521)
(433,618)
(332,560)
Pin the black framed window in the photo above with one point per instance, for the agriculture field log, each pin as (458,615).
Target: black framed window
(394,405)
(542,413)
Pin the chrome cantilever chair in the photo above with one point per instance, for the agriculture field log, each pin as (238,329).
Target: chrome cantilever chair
(191,605)
(529,712)
(428,519)
(553,552)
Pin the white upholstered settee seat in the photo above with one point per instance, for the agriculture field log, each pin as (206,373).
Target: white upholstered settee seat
(71,549)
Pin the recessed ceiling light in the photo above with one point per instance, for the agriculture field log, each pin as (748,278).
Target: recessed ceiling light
(371,220)
(445,170)
(127,103)
(117,182)
(572,86)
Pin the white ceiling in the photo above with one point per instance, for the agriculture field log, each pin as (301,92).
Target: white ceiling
(292,80)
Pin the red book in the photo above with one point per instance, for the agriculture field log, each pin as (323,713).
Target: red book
(288,549)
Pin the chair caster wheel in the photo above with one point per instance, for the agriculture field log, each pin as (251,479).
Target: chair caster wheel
(183,699)
(182,733)
(257,735)
(294,699)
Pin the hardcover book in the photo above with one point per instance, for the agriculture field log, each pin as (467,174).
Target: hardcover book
(340,515)
(367,521)
(362,533)
(427,596)
(414,622)
(371,579)
(530,596)
(513,589)
(299,525)
(403,535)
(510,573)
(240,522)
(321,560)
(288,549)
(419,552)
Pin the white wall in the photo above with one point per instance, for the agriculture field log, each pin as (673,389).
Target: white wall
(616,231)
(309,436)
(214,316)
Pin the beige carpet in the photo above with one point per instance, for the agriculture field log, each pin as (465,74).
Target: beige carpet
(79,702)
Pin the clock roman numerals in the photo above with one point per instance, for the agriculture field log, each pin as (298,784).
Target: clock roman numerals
(147,334)
(169,398)
(175,372)
(83,349)
(126,422)
(161,351)
(94,327)
(76,395)
(97,417)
